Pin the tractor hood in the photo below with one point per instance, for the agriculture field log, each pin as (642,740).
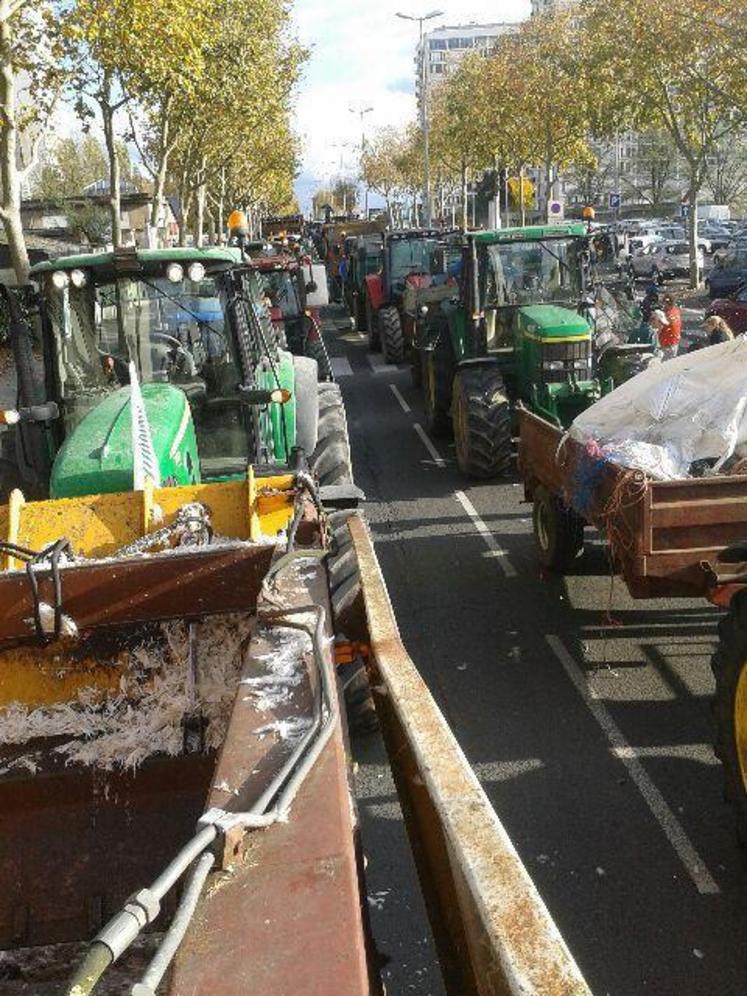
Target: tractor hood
(552,321)
(97,457)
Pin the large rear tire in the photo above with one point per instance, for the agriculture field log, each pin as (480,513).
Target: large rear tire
(481,417)
(438,376)
(392,340)
(316,350)
(558,531)
(729,665)
(331,460)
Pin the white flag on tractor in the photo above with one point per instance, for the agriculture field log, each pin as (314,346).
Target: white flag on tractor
(144,462)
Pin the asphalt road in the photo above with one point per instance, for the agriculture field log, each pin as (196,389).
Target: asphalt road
(590,731)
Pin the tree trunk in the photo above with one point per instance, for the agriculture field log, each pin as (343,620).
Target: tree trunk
(107,112)
(10,205)
(200,217)
(692,194)
(164,151)
(522,201)
(465,199)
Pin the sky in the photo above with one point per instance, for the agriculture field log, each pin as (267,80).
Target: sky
(362,55)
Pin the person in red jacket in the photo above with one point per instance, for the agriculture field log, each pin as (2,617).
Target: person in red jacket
(667,335)
(674,315)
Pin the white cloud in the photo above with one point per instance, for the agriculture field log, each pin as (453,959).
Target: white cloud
(362,55)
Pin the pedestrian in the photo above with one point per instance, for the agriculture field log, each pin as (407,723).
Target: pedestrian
(718,330)
(667,337)
(674,315)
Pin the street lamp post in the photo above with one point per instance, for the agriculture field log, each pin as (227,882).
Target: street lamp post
(424,113)
(362,112)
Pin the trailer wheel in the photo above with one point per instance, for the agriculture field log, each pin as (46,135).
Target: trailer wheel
(482,422)
(372,327)
(558,531)
(438,375)
(729,666)
(392,340)
(347,609)
(331,460)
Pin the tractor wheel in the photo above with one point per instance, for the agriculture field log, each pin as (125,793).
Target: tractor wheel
(416,366)
(316,350)
(438,374)
(330,460)
(729,665)
(392,341)
(348,612)
(306,378)
(558,531)
(482,422)
(372,327)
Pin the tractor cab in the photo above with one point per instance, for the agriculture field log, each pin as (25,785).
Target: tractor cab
(530,285)
(164,358)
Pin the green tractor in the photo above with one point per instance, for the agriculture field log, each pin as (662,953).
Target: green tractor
(364,253)
(514,331)
(163,360)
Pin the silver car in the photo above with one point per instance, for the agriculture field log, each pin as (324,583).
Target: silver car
(663,260)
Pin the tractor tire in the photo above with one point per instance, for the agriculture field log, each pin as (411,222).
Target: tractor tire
(392,340)
(416,366)
(331,460)
(346,598)
(307,406)
(558,532)
(317,350)
(372,327)
(481,416)
(729,666)
(438,376)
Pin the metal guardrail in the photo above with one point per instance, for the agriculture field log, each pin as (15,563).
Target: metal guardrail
(494,934)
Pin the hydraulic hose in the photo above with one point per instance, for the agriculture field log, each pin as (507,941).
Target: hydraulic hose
(98,958)
(177,929)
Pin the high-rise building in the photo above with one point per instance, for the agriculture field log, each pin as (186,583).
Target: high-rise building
(444,48)
(542,6)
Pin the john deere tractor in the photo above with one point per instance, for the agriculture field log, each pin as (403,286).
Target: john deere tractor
(166,357)
(514,330)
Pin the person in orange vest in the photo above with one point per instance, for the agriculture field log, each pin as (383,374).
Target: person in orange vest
(667,335)
(674,315)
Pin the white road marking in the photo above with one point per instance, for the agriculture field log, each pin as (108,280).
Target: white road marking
(438,459)
(377,364)
(402,403)
(673,829)
(341,366)
(490,541)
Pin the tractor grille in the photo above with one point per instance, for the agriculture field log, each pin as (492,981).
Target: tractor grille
(562,361)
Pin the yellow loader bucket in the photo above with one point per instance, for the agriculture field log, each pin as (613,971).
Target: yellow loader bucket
(63,616)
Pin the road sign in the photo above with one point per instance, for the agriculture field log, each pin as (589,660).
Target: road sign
(684,210)
(555,210)
(615,200)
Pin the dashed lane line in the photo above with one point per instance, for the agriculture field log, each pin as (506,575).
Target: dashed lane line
(341,366)
(673,829)
(496,550)
(437,458)
(402,403)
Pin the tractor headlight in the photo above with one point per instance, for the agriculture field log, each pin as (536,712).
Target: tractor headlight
(423,310)
(582,364)
(78,278)
(553,365)
(175,273)
(196,272)
(60,279)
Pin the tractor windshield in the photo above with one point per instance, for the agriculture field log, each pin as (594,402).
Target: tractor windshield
(281,291)
(415,256)
(173,331)
(523,273)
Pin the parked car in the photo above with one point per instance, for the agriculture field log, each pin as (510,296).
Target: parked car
(662,260)
(732,309)
(729,273)
(719,238)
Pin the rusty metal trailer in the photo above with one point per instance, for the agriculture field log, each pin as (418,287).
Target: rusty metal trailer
(247,853)
(666,538)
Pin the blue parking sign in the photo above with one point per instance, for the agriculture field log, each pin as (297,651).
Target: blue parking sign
(614,201)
